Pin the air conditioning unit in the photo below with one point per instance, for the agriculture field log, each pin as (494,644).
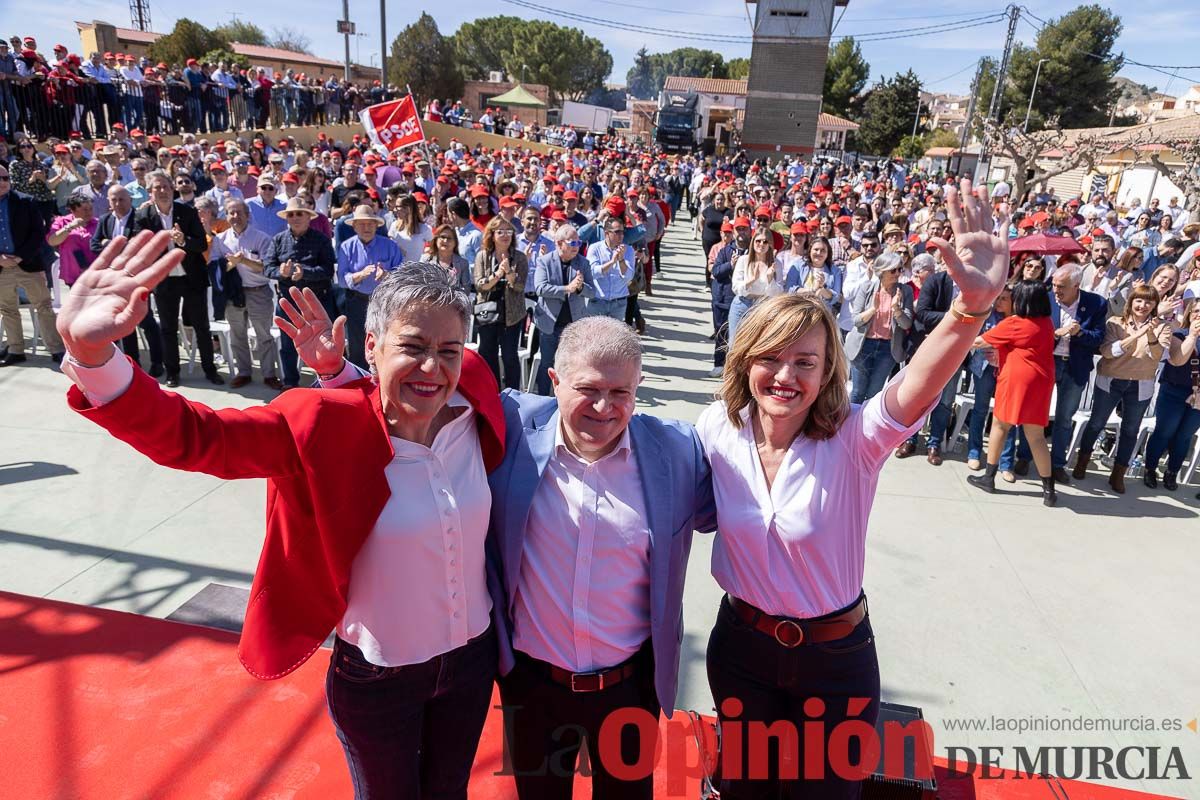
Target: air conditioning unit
(496,76)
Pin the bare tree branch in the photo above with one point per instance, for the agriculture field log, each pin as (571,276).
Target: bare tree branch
(1185,174)
(1026,151)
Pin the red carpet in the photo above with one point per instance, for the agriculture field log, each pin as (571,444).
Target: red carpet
(106,705)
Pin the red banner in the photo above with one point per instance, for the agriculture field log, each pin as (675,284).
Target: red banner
(394,125)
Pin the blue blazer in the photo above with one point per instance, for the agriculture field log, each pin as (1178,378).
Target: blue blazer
(677,493)
(1093,316)
(550,277)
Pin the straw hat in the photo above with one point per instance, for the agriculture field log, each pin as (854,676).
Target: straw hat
(366,213)
(296,204)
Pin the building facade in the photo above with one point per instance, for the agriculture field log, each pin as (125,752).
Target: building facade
(477,96)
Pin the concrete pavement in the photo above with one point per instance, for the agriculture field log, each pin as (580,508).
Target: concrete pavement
(983,606)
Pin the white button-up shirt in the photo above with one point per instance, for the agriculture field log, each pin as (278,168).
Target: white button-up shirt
(583,596)
(798,548)
(418,586)
(1066,315)
(252,242)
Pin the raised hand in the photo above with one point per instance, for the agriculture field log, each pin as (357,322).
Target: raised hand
(978,259)
(319,343)
(112,295)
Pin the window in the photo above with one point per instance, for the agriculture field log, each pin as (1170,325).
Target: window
(778,13)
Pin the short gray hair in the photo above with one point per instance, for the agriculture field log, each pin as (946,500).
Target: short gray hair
(206,203)
(923,261)
(566,233)
(414,283)
(596,340)
(236,202)
(1074,273)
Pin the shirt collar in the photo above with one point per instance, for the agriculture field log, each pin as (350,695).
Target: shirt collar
(623,449)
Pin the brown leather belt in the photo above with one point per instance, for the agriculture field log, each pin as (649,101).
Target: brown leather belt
(580,682)
(791,632)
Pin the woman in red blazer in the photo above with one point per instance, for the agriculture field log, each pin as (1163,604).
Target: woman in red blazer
(377,507)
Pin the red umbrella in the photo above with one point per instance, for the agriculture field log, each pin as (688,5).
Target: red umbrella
(1045,245)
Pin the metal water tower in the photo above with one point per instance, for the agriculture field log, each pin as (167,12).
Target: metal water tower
(787,75)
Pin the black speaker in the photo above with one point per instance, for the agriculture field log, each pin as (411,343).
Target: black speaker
(909,782)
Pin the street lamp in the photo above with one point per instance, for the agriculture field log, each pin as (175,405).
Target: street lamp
(1032,92)
(917,118)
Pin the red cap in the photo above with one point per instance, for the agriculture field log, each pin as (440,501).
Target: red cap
(290,177)
(61,148)
(370,170)
(843,220)
(1025,223)
(479,190)
(508,202)
(558,215)
(570,194)
(799,227)
(764,211)
(615,205)
(726,227)
(191,61)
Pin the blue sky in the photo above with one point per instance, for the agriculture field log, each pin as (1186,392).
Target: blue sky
(945,60)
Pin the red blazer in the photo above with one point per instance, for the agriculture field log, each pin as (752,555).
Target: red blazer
(319,512)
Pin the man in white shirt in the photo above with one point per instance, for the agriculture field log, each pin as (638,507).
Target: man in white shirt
(593,556)
(135,109)
(858,270)
(242,248)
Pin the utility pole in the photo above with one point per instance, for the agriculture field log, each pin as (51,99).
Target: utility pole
(1029,111)
(966,131)
(383,81)
(346,36)
(1014,14)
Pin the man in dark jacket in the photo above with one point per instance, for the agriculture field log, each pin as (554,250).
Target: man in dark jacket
(119,222)
(187,284)
(936,295)
(722,290)
(22,265)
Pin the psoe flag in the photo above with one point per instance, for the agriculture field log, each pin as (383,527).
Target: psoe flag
(393,125)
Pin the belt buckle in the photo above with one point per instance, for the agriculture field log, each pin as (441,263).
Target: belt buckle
(783,625)
(599,676)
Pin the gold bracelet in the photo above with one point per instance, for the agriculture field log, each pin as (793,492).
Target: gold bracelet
(968,316)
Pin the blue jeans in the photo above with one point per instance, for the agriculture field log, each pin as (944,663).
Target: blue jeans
(985,390)
(1175,423)
(738,309)
(548,347)
(195,115)
(1132,411)
(602,307)
(939,418)
(870,370)
(411,731)
(287,348)
(721,326)
(1070,394)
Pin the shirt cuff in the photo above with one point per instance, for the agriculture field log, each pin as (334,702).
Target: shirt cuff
(102,384)
(1116,350)
(348,374)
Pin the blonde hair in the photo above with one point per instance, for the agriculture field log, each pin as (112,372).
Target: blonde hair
(772,326)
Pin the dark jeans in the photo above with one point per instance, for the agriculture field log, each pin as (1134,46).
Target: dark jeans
(721,325)
(633,311)
(985,390)
(411,731)
(1070,394)
(216,279)
(502,341)
(356,326)
(870,370)
(772,683)
(1132,410)
(154,340)
(169,295)
(548,347)
(1175,423)
(939,418)
(545,725)
(287,348)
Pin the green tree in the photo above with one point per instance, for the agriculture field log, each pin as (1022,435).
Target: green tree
(846,74)
(1077,83)
(425,60)
(888,112)
(738,68)
(911,147)
(481,45)
(241,32)
(186,40)
(943,138)
(640,78)
(228,56)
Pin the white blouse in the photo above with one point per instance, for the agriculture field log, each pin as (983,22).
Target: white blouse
(418,586)
(798,549)
(755,285)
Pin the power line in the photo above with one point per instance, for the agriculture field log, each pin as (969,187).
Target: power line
(661,10)
(972,65)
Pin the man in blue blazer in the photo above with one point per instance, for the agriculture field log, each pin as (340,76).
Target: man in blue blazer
(562,280)
(722,290)
(593,510)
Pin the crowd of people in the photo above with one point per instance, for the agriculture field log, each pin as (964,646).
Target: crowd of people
(1110,317)
(505,123)
(43,97)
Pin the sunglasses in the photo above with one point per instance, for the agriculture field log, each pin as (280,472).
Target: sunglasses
(572,242)
(291,214)
(24,145)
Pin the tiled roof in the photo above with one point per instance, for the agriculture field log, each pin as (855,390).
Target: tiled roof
(679,83)
(831,122)
(248,50)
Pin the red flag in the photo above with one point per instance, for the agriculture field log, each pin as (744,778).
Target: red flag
(394,125)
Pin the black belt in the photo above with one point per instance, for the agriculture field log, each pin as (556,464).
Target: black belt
(1062,358)
(581,682)
(791,632)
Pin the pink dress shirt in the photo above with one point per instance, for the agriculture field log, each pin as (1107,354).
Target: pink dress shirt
(798,549)
(583,597)
(75,253)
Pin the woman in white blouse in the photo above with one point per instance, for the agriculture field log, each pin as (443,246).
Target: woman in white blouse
(756,276)
(409,231)
(795,468)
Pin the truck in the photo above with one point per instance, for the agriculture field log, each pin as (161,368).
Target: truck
(677,121)
(586,117)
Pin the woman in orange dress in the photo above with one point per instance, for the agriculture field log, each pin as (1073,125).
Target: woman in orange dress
(1024,343)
